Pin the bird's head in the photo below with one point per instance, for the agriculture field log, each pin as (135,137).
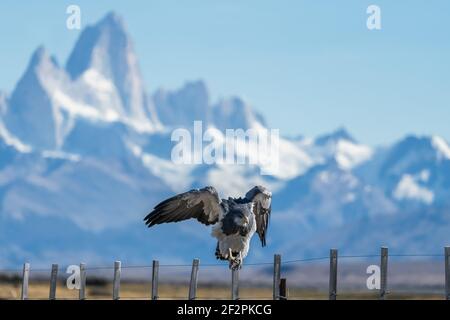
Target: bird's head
(241,220)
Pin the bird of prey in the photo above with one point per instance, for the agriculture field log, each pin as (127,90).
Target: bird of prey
(234,220)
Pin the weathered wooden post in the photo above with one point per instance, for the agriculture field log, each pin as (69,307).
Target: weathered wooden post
(193,283)
(283,289)
(53,282)
(25,279)
(235,284)
(447,273)
(383,273)
(276,276)
(155,271)
(116,283)
(82,291)
(332,294)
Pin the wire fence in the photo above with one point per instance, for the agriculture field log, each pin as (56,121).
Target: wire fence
(222,264)
(362,276)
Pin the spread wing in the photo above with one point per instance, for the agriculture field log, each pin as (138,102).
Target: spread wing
(201,204)
(262,207)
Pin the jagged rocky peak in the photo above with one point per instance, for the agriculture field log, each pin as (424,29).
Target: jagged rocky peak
(334,137)
(341,147)
(93,48)
(235,113)
(415,153)
(422,147)
(30,115)
(192,103)
(41,67)
(106,49)
(183,106)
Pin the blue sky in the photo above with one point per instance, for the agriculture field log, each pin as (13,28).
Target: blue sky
(308,66)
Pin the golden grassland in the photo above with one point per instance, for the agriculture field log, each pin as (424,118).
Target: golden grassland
(133,290)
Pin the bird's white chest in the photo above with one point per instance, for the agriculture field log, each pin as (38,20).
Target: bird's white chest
(235,242)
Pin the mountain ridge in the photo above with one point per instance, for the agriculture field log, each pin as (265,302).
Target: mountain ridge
(85,149)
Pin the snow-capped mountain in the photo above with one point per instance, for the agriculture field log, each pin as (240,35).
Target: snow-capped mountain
(101,82)
(338,146)
(104,58)
(85,153)
(192,103)
(236,113)
(416,170)
(184,106)
(32,115)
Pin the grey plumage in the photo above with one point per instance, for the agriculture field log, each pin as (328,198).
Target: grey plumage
(234,220)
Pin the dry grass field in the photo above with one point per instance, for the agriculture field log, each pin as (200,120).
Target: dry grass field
(40,290)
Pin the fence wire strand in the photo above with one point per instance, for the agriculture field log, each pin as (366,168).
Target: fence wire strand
(17,272)
(406,255)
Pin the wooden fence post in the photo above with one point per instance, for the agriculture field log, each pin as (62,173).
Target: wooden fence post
(235,284)
(25,279)
(447,273)
(283,289)
(82,291)
(333,274)
(116,283)
(276,276)
(383,273)
(53,282)
(155,271)
(193,283)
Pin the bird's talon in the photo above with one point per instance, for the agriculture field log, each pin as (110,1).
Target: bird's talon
(230,255)
(236,263)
